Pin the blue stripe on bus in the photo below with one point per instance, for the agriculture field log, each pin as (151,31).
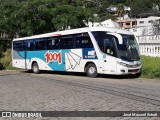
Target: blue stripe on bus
(54,65)
(56,58)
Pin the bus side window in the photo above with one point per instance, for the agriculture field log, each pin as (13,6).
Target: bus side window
(105,42)
(66,42)
(40,44)
(108,45)
(52,43)
(18,45)
(83,41)
(28,45)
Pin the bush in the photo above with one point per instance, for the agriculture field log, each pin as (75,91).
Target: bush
(5,44)
(5,54)
(1,66)
(150,67)
(6,60)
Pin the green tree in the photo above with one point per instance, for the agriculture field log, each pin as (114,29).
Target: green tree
(120,10)
(99,8)
(30,17)
(142,6)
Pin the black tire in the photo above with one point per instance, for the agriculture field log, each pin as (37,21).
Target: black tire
(91,70)
(35,68)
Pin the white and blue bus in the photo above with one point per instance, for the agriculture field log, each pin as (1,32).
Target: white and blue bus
(95,50)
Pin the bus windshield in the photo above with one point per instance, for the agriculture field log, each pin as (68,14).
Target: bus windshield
(129,49)
(109,44)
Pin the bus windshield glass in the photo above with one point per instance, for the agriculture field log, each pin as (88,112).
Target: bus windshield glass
(129,49)
(109,44)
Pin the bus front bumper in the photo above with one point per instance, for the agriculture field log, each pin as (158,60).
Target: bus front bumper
(122,70)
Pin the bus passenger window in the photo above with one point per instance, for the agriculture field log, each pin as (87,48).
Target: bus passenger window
(66,42)
(40,44)
(83,41)
(28,45)
(52,43)
(18,46)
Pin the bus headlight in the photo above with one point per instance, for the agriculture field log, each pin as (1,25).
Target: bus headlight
(123,64)
(127,65)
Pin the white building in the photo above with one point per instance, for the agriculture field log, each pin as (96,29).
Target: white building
(140,26)
(148,37)
(145,26)
(147,34)
(106,23)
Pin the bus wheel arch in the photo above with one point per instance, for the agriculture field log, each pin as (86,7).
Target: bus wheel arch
(35,67)
(91,69)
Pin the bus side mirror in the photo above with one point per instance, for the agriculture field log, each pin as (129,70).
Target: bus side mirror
(120,40)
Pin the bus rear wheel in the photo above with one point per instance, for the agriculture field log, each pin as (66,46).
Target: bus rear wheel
(91,70)
(35,68)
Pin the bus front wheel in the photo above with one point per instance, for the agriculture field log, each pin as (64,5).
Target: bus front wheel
(91,70)
(35,68)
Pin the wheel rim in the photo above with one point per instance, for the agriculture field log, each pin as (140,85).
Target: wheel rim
(92,70)
(35,68)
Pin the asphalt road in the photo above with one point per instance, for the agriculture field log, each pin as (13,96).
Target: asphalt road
(50,91)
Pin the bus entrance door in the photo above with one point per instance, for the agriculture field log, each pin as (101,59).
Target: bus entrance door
(109,64)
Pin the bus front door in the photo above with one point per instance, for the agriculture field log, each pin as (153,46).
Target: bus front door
(109,65)
(109,60)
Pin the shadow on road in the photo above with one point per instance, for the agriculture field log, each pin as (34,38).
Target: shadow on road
(84,75)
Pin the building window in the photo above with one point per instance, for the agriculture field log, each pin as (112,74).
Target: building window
(141,22)
(133,23)
(150,21)
(127,24)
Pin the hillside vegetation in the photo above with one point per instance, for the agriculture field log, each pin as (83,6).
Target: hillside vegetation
(30,17)
(151,67)
(5,55)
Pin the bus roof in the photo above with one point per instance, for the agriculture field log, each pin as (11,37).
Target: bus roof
(74,31)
